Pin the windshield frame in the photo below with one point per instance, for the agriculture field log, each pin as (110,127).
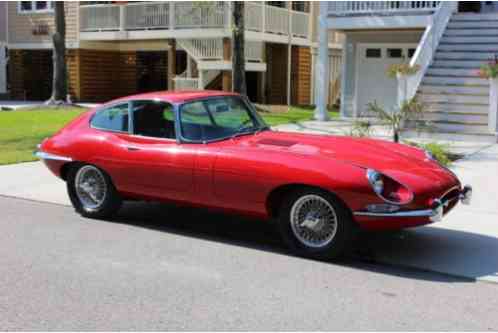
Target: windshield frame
(260,124)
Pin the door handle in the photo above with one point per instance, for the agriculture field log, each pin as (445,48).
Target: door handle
(130,148)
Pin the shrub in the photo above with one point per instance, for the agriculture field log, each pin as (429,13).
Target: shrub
(439,151)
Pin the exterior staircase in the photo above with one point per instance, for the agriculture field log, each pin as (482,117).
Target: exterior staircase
(456,97)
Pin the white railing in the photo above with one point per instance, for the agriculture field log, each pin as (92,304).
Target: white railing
(300,24)
(203,49)
(427,47)
(340,8)
(190,15)
(253,51)
(253,16)
(182,83)
(99,17)
(147,16)
(276,20)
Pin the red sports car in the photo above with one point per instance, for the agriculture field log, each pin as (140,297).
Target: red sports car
(212,149)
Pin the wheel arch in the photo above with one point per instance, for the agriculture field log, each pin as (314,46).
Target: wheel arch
(275,198)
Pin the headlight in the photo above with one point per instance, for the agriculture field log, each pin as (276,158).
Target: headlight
(389,189)
(375,180)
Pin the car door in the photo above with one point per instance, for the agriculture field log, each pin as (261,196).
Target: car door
(154,164)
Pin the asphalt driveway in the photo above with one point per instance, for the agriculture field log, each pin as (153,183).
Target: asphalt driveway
(464,244)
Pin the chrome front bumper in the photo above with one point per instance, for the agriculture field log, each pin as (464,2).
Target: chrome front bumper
(47,156)
(435,214)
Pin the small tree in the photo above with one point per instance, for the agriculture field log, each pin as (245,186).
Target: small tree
(409,110)
(59,83)
(238,53)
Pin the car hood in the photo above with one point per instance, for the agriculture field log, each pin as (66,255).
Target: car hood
(401,162)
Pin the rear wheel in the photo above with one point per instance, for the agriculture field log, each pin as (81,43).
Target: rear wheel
(315,224)
(92,192)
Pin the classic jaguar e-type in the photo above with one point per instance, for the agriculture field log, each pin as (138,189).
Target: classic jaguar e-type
(212,149)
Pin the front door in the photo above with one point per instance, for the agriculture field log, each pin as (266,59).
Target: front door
(155,164)
(372,81)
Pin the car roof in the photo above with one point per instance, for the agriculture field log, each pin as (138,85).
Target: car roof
(175,97)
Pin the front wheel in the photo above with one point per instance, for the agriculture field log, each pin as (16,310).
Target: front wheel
(315,224)
(92,192)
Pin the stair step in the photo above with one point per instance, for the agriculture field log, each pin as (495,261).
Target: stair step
(445,126)
(474,119)
(470,39)
(471,32)
(456,99)
(464,55)
(474,17)
(447,80)
(432,89)
(481,24)
(458,64)
(452,72)
(450,136)
(468,47)
(457,108)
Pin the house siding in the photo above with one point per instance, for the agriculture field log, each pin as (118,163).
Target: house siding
(22,26)
(301,75)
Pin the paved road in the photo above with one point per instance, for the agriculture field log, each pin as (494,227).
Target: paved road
(159,268)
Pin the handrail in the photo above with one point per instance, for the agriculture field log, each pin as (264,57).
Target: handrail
(343,8)
(424,54)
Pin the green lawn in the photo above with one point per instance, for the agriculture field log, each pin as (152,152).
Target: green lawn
(21,131)
(294,115)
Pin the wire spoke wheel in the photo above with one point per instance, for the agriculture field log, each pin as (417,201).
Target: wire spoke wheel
(91,187)
(313,221)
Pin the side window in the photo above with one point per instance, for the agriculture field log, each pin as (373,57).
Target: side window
(194,118)
(114,118)
(153,119)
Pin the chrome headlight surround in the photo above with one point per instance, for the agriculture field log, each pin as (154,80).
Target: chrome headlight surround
(429,156)
(376,180)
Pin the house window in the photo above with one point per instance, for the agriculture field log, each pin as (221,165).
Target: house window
(411,52)
(373,53)
(395,53)
(35,6)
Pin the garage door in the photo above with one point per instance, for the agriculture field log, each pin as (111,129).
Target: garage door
(372,81)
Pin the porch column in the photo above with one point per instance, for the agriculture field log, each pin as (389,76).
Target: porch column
(493,105)
(226,77)
(321,68)
(171,64)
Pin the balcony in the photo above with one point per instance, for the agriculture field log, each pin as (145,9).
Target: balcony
(149,20)
(351,15)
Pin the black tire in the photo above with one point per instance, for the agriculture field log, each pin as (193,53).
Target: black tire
(341,239)
(111,202)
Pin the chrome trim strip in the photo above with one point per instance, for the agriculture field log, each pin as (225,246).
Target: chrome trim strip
(408,213)
(47,156)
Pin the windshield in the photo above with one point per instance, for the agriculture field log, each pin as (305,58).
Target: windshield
(218,118)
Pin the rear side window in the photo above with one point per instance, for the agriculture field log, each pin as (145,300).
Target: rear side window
(114,118)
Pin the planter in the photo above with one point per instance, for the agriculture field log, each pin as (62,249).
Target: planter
(493,105)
